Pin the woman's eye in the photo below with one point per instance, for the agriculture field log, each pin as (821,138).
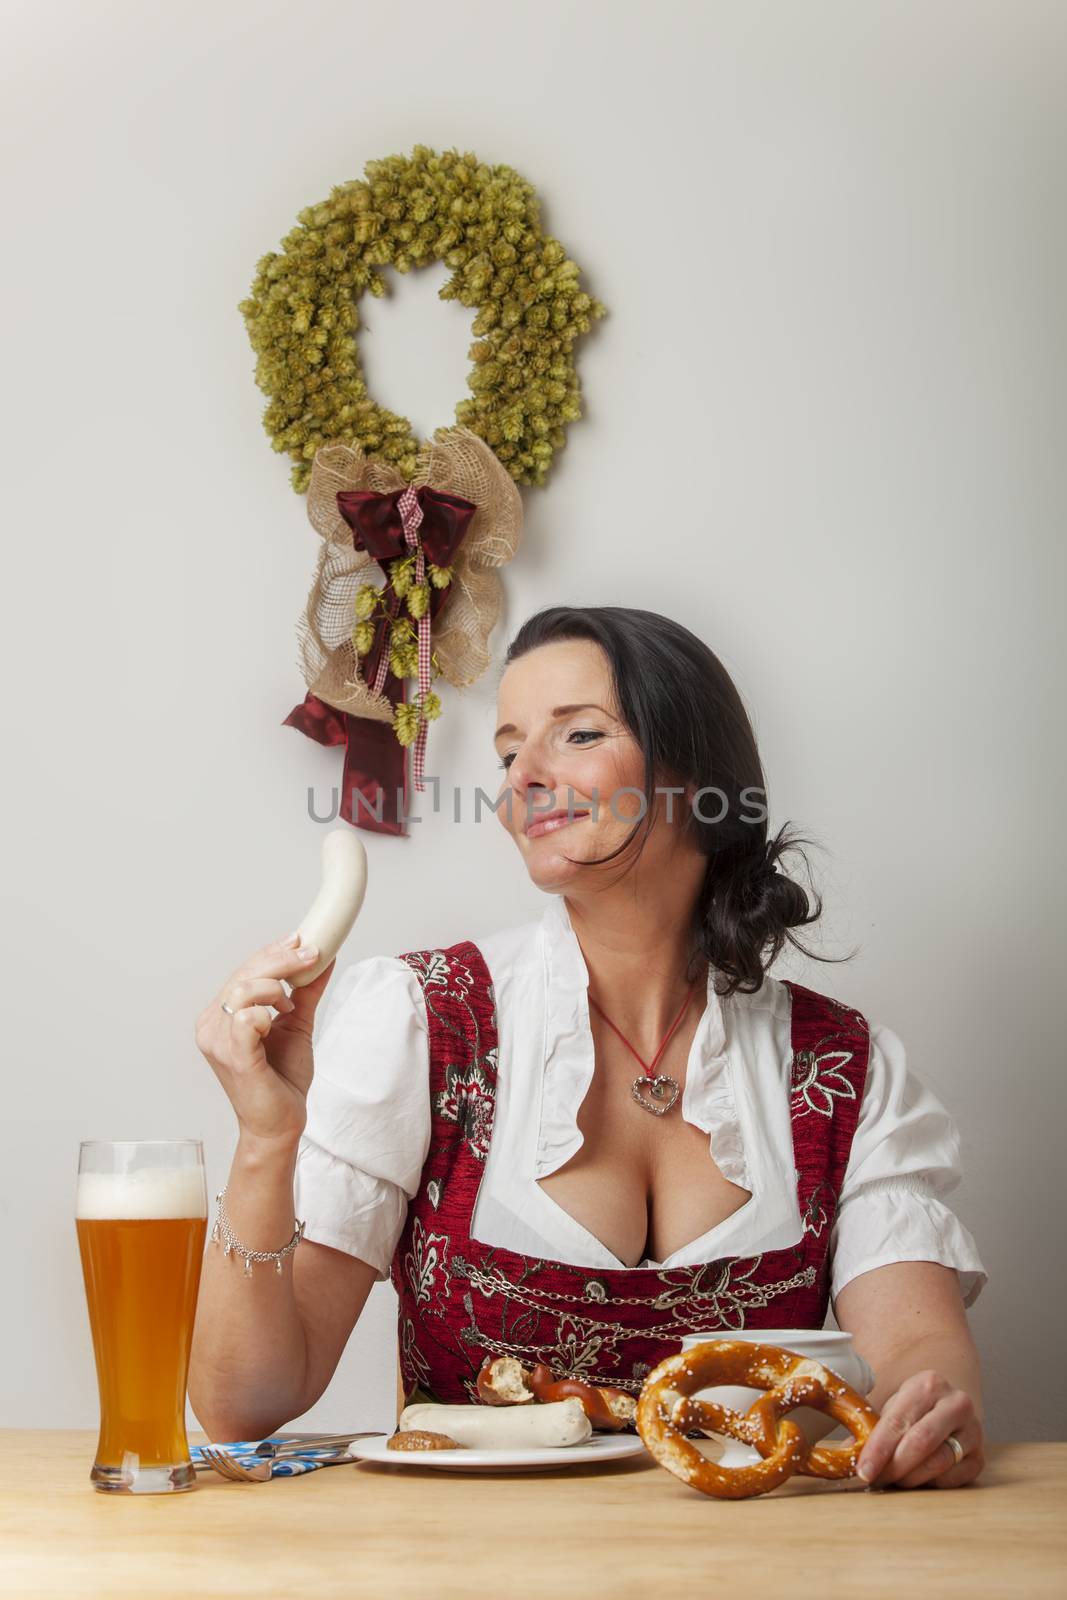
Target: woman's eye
(575,733)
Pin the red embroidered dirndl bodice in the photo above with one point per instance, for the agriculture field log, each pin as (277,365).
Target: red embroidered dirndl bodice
(461,1300)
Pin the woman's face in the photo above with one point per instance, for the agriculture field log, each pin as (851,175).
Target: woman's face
(564,749)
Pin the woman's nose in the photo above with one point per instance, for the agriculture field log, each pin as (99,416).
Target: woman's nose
(528,776)
(526,781)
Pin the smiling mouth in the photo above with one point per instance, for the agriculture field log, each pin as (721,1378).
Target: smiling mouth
(556,819)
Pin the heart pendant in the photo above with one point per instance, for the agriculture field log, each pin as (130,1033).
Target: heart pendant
(661,1094)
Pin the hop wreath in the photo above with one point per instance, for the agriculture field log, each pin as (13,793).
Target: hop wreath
(438,516)
(483,222)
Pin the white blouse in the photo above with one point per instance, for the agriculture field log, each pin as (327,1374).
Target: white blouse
(368,1129)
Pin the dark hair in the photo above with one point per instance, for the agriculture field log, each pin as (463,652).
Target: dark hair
(682,707)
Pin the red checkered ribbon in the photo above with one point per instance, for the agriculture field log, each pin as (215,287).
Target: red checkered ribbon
(411,518)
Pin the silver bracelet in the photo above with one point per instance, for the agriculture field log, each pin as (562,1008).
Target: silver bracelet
(231,1242)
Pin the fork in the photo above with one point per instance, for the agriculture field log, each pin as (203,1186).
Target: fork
(229,1466)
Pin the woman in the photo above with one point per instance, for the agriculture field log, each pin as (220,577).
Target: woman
(578,1138)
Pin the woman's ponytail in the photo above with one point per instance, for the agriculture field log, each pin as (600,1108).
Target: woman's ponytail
(747,908)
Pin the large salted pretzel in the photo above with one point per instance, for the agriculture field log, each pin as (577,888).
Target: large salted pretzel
(666,1412)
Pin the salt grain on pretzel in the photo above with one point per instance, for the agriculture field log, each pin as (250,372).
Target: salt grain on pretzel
(666,1412)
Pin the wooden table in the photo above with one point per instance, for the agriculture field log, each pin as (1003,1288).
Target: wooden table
(629,1529)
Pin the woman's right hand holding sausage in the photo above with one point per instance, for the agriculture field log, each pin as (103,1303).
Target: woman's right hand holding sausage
(264,1060)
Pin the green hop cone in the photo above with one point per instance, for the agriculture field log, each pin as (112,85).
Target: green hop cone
(366,600)
(440,577)
(363,637)
(431,706)
(418,598)
(400,574)
(406,723)
(403,649)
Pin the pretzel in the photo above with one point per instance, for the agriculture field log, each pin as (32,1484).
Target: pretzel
(609,1410)
(504,1381)
(666,1412)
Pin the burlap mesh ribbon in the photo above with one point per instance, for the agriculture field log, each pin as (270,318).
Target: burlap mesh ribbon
(457,462)
(342,707)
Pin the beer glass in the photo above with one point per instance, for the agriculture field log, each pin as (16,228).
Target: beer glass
(141,1218)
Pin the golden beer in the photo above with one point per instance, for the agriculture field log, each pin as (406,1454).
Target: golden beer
(141,1237)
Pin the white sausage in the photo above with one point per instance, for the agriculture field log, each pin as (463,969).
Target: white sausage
(559,1422)
(336,907)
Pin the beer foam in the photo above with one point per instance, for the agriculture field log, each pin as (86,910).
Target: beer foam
(150,1193)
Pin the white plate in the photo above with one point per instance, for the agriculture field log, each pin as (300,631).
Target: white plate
(601,1447)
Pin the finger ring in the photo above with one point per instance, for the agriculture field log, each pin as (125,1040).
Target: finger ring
(956,1448)
(226,1008)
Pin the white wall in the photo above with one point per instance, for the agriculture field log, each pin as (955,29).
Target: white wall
(824,430)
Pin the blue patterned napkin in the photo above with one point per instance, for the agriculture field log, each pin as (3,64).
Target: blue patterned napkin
(291,1467)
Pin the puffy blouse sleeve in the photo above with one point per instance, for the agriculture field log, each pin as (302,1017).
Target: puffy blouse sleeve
(905,1158)
(368,1129)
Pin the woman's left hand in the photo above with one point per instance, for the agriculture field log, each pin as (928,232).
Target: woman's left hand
(908,1445)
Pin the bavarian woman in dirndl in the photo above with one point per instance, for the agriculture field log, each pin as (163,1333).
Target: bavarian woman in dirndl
(580,1138)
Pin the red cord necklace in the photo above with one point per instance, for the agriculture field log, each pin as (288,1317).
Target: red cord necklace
(662,1092)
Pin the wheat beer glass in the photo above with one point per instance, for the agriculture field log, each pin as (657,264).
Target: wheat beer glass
(141,1219)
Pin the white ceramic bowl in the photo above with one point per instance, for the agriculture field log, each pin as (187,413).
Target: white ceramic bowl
(835,1350)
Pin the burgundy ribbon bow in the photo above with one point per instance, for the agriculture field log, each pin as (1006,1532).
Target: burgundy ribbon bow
(432,525)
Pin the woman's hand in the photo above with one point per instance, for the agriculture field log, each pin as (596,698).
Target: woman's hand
(263,1061)
(907,1446)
